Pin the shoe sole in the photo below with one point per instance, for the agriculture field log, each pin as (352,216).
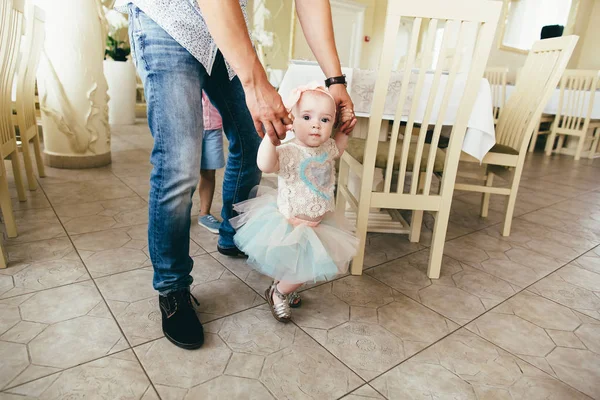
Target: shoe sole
(211,230)
(184,346)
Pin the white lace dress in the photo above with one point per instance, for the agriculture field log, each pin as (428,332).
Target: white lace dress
(294,235)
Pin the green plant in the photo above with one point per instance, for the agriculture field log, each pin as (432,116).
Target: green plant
(116,49)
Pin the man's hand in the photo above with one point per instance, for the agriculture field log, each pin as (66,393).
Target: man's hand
(268,112)
(346,119)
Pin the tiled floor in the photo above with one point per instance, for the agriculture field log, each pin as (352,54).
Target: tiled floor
(510,318)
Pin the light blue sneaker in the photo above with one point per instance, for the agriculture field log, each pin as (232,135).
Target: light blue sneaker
(210,223)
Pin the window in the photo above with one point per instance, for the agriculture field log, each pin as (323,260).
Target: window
(524,20)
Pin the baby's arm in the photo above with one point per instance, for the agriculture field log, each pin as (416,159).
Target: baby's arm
(267,159)
(341,141)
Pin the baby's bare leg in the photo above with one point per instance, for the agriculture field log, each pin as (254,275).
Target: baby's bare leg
(285,288)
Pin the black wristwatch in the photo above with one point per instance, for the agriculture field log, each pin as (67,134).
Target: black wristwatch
(335,80)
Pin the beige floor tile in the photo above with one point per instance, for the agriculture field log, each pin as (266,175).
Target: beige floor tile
(26,278)
(118,376)
(590,197)
(528,200)
(34,225)
(102,215)
(383,247)
(87,191)
(139,184)
(590,260)
(286,363)
(118,250)
(573,286)
(44,250)
(508,261)
(367,325)
(240,268)
(35,199)
(553,188)
(134,302)
(205,239)
(461,294)
(541,239)
(124,168)
(364,393)
(526,325)
(56,176)
(464,366)
(40,265)
(52,330)
(587,227)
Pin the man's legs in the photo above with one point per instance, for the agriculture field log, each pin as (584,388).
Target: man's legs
(173,82)
(241,173)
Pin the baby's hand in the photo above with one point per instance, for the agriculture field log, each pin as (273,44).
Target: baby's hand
(346,114)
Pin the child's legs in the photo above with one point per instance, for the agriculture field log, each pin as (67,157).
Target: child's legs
(206,190)
(285,288)
(212,159)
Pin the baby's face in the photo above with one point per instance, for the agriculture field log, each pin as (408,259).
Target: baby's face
(313,118)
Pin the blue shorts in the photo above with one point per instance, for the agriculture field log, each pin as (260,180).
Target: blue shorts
(212,149)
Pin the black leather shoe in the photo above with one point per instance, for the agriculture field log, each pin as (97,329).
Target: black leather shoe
(231,252)
(180,323)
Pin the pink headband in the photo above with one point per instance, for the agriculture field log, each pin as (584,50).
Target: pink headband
(296,93)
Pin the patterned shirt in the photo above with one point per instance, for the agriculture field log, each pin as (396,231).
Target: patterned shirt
(183,20)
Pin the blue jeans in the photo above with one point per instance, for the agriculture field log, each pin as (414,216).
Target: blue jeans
(173,83)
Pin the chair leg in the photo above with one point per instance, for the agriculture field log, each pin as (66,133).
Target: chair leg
(28,165)
(534,137)
(14,158)
(579,149)
(550,142)
(485,198)
(6,207)
(594,147)
(416,220)
(39,160)
(340,205)
(438,241)
(362,220)
(560,143)
(3,258)
(511,201)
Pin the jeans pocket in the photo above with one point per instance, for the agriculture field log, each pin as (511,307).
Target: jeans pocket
(136,36)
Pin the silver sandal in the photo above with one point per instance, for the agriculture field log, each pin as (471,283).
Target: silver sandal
(294,300)
(282,311)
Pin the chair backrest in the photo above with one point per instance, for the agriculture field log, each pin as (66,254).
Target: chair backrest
(539,76)
(577,93)
(27,69)
(11,31)
(496,76)
(450,31)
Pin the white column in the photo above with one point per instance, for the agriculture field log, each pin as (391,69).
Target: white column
(72,86)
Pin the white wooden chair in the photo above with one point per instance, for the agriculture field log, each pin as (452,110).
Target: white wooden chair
(10,41)
(577,92)
(8,16)
(595,125)
(468,26)
(25,104)
(543,68)
(496,76)
(545,119)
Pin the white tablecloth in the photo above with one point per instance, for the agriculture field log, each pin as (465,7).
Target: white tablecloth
(480,135)
(552,106)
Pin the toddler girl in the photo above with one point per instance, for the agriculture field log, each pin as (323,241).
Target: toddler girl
(293,235)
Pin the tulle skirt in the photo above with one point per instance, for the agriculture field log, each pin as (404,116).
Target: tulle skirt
(295,254)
